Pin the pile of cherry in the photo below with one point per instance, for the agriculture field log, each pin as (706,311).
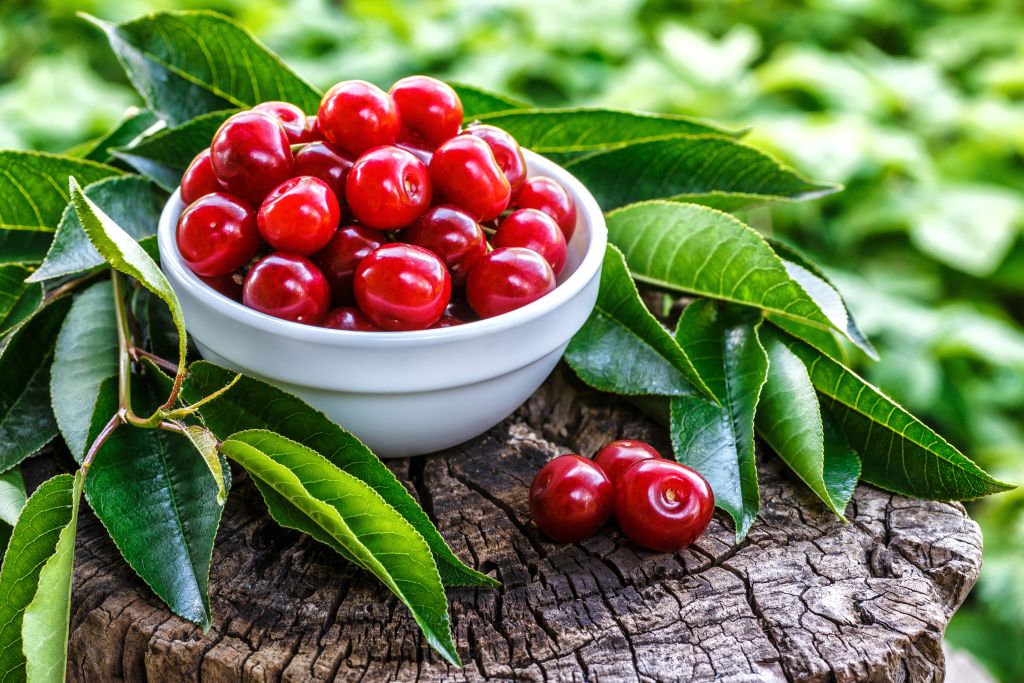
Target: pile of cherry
(658,503)
(381,206)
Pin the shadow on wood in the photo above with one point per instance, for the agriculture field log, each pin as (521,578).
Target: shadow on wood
(805,597)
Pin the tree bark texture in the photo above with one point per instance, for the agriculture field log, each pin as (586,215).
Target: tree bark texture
(805,597)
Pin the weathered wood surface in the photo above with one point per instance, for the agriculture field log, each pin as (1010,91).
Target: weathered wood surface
(804,598)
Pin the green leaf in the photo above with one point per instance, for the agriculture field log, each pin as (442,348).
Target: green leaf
(84,357)
(898,453)
(12,495)
(709,169)
(152,492)
(125,255)
(697,250)
(33,196)
(131,201)
(32,582)
(478,101)
(789,420)
(623,349)
(253,404)
(355,518)
(45,626)
(164,155)
(817,284)
(718,440)
(206,443)
(26,419)
(189,63)
(134,123)
(18,299)
(584,129)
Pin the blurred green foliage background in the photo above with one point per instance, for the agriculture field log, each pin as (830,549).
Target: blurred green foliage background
(916,106)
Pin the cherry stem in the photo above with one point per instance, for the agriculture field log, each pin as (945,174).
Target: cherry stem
(115,421)
(137,354)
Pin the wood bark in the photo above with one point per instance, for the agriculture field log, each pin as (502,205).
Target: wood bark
(805,597)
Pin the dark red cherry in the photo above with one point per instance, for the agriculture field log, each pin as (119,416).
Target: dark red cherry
(299,216)
(506,151)
(662,505)
(534,230)
(617,456)
(402,287)
(447,321)
(338,260)
(217,234)
(570,498)
(349,318)
(251,155)
(430,110)
(545,194)
(388,188)
(465,173)
(287,286)
(228,285)
(357,116)
(292,119)
(451,234)
(507,279)
(321,160)
(199,178)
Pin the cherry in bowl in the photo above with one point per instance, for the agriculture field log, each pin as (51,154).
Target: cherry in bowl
(287,286)
(217,234)
(251,155)
(506,279)
(299,216)
(402,287)
(388,188)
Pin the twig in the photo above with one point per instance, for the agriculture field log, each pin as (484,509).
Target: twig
(115,421)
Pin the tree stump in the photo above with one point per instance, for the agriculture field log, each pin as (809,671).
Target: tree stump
(805,597)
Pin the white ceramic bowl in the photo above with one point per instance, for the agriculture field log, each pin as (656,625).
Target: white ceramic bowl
(403,393)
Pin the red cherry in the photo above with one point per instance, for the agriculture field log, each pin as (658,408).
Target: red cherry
(662,505)
(388,188)
(327,163)
(338,260)
(402,287)
(545,194)
(465,173)
(506,151)
(534,230)
(357,116)
(447,321)
(299,216)
(228,285)
(570,498)
(251,155)
(430,110)
(453,235)
(424,155)
(349,318)
(199,178)
(507,279)
(311,131)
(287,286)
(217,234)
(617,456)
(292,119)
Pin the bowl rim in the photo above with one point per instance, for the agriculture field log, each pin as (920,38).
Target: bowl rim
(572,286)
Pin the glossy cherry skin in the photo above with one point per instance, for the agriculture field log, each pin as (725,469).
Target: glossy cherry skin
(570,498)
(199,178)
(545,194)
(251,155)
(349,318)
(617,456)
(402,287)
(228,285)
(447,321)
(329,164)
(311,131)
(506,151)
(357,116)
(507,279)
(299,216)
(388,188)
(465,173)
(430,110)
(451,234)
(338,260)
(292,119)
(217,234)
(533,229)
(662,505)
(287,286)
